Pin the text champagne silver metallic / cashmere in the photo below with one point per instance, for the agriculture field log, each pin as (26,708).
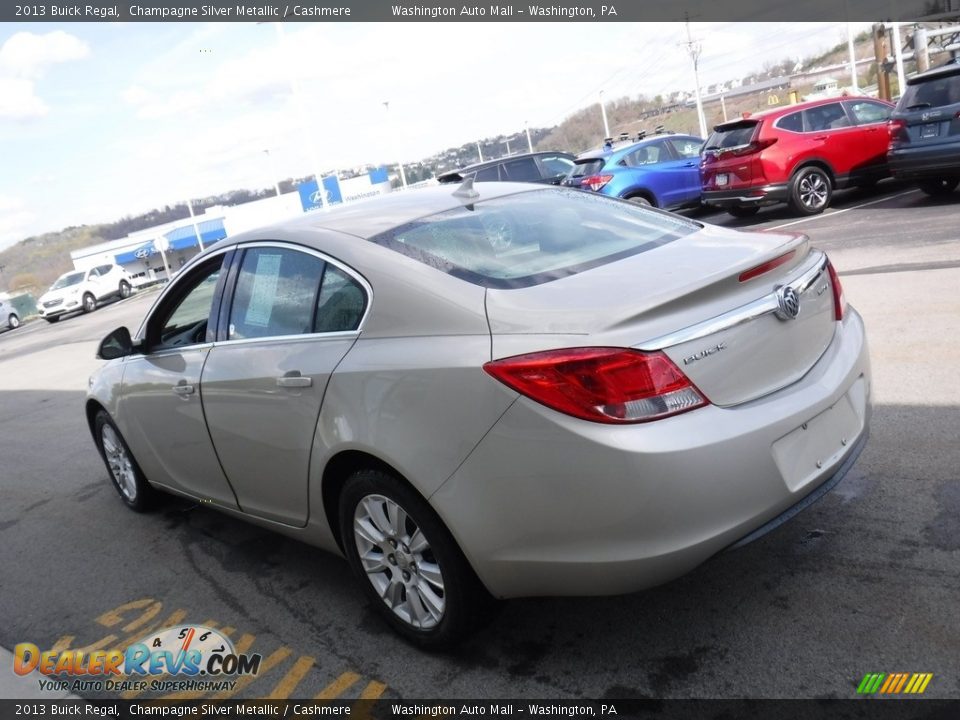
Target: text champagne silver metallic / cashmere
(512,392)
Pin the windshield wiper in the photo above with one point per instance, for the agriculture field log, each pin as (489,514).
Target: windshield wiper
(918,106)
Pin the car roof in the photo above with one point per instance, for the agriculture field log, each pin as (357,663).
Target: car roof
(497,161)
(952,67)
(606,153)
(365,218)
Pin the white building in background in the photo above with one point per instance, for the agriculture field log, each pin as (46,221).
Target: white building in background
(146,254)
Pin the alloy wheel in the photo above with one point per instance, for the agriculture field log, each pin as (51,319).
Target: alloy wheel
(14,322)
(119,462)
(814,190)
(399,561)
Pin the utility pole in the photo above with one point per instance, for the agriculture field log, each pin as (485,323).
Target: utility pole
(273,173)
(854,84)
(403,175)
(526,126)
(920,51)
(880,53)
(694,48)
(898,54)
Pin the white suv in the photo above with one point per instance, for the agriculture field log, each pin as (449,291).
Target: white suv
(83,290)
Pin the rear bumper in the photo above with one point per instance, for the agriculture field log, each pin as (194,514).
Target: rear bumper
(925,163)
(550,505)
(764,195)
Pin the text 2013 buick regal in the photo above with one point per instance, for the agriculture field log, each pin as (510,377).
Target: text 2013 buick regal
(512,392)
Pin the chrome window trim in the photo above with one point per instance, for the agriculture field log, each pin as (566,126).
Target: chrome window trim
(745,313)
(349,271)
(165,352)
(299,338)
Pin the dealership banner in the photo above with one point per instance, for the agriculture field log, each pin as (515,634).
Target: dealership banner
(448,11)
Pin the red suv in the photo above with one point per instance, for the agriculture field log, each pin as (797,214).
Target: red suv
(797,154)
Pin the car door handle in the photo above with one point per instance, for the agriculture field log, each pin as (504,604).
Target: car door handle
(182,388)
(690,164)
(293,379)
(820,137)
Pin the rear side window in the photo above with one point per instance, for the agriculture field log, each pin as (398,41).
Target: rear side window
(686,147)
(792,122)
(648,155)
(582,168)
(521,170)
(533,237)
(933,93)
(732,136)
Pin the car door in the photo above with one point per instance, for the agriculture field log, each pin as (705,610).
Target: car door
(662,172)
(687,153)
(873,139)
(294,314)
(834,138)
(161,406)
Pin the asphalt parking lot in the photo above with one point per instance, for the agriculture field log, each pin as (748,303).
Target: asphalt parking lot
(864,581)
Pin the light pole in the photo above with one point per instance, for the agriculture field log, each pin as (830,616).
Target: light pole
(694,49)
(603,111)
(273,173)
(526,126)
(479,151)
(196,229)
(403,176)
(855,84)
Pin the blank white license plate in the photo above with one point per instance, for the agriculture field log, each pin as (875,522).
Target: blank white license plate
(723,179)
(930,130)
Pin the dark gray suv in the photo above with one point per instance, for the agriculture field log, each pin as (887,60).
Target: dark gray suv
(538,167)
(925,131)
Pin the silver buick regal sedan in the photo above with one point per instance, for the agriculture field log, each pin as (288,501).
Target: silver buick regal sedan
(495,392)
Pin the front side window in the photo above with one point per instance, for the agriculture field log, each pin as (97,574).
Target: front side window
(533,237)
(869,113)
(490,174)
(103,269)
(554,165)
(184,319)
(276,293)
(68,280)
(648,155)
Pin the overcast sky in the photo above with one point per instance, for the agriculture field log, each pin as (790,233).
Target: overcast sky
(98,121)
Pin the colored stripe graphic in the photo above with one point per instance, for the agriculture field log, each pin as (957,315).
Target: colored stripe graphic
(894,683)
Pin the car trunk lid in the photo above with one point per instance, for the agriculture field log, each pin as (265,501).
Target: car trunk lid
(687,299)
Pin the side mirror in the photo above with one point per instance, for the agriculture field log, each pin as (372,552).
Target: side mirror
(115,345)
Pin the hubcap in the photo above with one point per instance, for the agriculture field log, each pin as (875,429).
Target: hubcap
(14,321)
(813,190)
(119,463)
(88,302)
(399,561)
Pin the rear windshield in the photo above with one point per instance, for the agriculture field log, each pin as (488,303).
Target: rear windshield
(932,93)
(533,237)
(731,136)
(590,166)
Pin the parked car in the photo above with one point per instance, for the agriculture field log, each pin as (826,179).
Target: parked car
(83,290)
(8,316)
(505,390)
(925,131)
(797,154)
(539,167)
(659,170)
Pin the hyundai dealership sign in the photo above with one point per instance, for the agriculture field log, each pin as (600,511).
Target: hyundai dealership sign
(376,182)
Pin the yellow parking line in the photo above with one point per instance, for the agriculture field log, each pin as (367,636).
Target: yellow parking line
(373,690)
(288,683)
(338,686)
(241,646)
(115,617)
(277,657)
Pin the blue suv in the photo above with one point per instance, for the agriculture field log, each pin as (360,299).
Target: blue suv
(662,170)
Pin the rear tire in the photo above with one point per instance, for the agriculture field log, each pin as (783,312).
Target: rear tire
(89,303)
(128,479)
(743,211)
(811,190)
(53,319)
(641,200)
(13,322)
(407,562)
(125,289)
(939,188)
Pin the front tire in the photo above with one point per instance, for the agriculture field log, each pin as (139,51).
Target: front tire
(89,303)
(125,289)
(407,562)
(811,191)
(128,479)
(13,322)
(939,188)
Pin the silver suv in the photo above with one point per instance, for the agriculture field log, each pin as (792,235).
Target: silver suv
(8,316)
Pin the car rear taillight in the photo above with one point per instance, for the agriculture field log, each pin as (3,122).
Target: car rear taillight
(753,147)
(606,385)
(897,129)
(595,182)
(839,301)
(767,266)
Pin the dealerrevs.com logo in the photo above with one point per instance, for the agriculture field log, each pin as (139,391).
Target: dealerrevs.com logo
(195,657)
